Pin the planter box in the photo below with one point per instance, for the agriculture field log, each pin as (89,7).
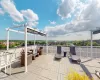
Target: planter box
(29,59)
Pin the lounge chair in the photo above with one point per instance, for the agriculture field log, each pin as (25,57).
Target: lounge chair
(58,55)
(73,55)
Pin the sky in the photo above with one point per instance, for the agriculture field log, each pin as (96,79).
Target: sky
(60,19)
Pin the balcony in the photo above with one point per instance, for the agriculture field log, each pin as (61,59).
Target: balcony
(46,68)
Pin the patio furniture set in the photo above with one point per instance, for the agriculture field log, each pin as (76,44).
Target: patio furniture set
(72,54)
(32,54)
(7,59)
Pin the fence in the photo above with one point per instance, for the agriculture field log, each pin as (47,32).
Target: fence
(82,51)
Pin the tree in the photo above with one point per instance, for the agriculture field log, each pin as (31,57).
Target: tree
(2,46)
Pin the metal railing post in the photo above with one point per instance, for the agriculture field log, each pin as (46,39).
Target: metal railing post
(80,52)
(87,51)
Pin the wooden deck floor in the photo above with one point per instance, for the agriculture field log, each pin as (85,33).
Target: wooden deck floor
(46,68)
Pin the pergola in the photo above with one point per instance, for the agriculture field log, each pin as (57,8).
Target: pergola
(93,32)
(26,30)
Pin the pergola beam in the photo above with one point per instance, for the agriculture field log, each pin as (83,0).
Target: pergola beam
(12,30)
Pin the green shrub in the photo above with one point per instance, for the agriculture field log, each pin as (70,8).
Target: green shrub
(2,46)
(73,75)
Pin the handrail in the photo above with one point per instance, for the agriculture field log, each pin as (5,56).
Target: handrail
(6,54)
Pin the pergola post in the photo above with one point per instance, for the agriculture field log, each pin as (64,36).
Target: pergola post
(7,39)
(34,43)
(46,43)
(7,49)
(34,39)
(25,48)
(91,44)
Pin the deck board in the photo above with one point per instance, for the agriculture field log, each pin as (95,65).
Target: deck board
(46,68)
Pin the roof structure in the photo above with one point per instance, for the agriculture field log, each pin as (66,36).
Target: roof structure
(21,29)
(96,31)
(34,31)
(25,29)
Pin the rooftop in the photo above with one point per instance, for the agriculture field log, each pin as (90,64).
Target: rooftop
(46,68)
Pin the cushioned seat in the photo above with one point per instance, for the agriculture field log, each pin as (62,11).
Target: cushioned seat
(59,51)
(73,55)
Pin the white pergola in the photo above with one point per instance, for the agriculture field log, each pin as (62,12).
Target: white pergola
(93,32)
(26,30)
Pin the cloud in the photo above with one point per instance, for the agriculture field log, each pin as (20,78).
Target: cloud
(18,16)
(91,15)
(10,8)
(76,36)
(69,7)
(31,24)
(66,7)
(52,22)
(30,15)
(76,26)
(60,29)
(88,20)
(56,30)
(1,11)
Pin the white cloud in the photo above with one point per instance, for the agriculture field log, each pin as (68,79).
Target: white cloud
(69,7)
(1,11)
(29,15)
(66,8)
(68,28)
(32,24)
(56,30)
(10,8)
(81,36)
(52,22)
(69,16)
(88,19)
(60,29)
(18,16)
(91,14)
